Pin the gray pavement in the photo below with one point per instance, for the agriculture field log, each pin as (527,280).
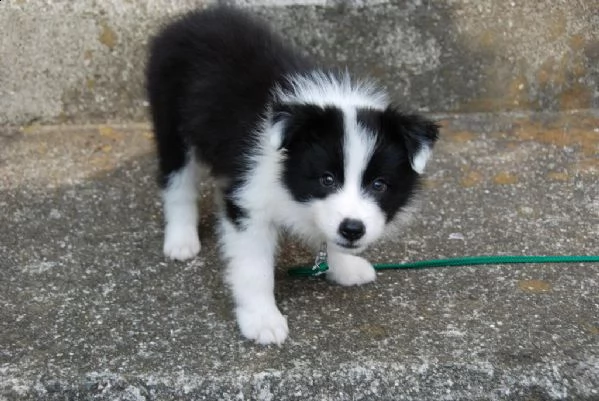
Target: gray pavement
(90,309)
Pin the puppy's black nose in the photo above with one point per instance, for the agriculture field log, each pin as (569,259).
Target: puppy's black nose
(351,229)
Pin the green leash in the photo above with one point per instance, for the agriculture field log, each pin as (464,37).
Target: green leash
(321,266)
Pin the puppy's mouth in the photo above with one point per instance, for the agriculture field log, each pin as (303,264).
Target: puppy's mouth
(349,246)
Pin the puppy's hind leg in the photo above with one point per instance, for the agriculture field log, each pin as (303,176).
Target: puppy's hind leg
(177,166)
(180,197)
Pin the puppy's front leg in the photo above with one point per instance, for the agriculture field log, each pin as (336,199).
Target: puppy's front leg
(345,269)
(250,251)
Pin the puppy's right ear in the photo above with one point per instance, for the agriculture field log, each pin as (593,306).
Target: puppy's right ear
(281,112)
(299,123)
(279,119)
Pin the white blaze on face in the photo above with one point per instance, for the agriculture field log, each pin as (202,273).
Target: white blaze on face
(350,202)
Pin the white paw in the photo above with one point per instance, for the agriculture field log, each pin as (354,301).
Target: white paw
(263,325)
(181,242)
(350,270)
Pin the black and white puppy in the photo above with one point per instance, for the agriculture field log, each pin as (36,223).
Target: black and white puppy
(291,147)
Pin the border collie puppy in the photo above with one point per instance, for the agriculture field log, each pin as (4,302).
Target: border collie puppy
(292,147)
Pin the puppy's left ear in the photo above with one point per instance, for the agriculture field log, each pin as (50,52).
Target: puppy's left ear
(418,134)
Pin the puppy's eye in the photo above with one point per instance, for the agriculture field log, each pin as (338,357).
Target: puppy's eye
(379,185)
(327,180)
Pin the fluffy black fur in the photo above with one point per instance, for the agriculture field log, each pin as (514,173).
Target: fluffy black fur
(209,77)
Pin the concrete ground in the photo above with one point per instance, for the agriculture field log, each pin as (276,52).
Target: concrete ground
(92,310)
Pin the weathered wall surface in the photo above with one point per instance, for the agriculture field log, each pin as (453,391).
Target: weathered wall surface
(82,61)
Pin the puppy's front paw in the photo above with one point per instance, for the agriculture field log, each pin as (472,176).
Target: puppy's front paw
(350,270)
(181,242)
(263,325)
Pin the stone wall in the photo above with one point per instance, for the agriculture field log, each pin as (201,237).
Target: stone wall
(82,61)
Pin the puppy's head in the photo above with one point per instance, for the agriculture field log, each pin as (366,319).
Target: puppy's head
(354,168)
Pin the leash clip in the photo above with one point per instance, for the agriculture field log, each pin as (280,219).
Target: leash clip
(320,262)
